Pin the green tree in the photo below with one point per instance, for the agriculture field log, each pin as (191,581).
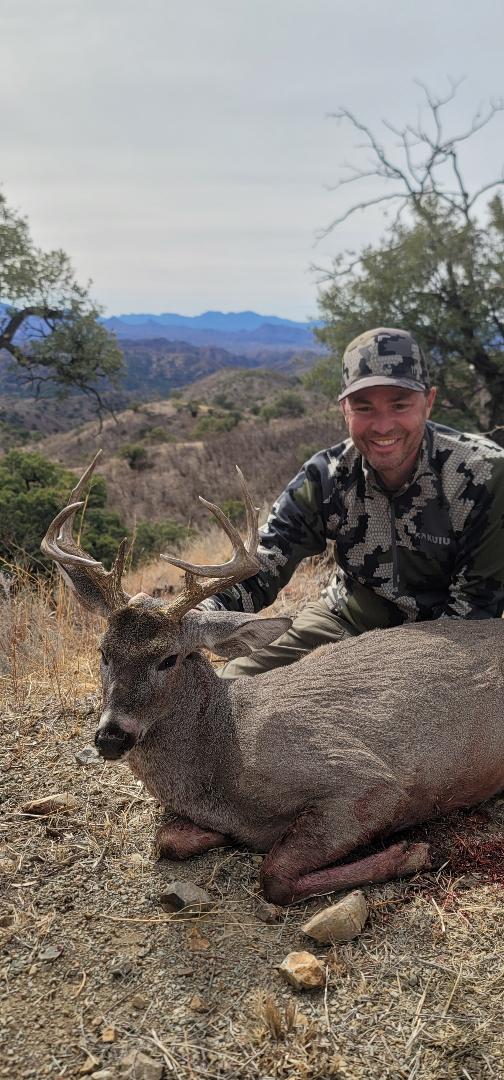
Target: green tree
(49,329)
(438,271)
(153,537)
(288,404)
(32,491)
(136,456)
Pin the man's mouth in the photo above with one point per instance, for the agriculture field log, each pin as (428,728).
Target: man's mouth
(386,442)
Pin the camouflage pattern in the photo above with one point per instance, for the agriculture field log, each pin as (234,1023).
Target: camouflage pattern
(434,548)
(383,357)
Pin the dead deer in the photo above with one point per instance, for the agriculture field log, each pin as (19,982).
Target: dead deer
(310,762)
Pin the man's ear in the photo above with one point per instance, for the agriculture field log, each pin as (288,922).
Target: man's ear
(234,633)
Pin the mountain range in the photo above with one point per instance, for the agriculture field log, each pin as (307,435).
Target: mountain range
(242,330)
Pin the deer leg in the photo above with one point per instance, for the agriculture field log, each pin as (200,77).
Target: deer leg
(180,838)
(292,871)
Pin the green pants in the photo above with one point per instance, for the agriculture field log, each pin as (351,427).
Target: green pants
(315,625)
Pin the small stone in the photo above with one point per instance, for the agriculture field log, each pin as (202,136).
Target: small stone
(51,952)
(89,1065)
(339,922)
(63,803)
(182,971)
(198,1004)
(120,967)
(103,1074)
(267,913)
(7,867)
(140,1066)
(88,756)
(196,942)
(303,971)
(138,1001)
(109,1034)
(185,897)
(135,859)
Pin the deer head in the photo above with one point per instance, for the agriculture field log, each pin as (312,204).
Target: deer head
(150,649)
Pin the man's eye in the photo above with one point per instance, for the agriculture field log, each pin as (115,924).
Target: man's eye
(168,661)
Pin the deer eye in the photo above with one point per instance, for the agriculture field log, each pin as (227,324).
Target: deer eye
(168,661)
(104,658)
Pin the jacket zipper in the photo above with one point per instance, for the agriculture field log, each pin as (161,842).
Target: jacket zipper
(395,568)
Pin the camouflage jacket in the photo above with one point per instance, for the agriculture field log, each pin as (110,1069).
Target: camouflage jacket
(434,548)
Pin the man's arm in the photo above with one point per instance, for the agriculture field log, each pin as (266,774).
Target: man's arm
(295,529)
(477,588)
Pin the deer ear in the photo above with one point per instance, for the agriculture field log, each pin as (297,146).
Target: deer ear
(233,633)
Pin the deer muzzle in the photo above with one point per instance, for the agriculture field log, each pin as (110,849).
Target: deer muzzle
(112,741)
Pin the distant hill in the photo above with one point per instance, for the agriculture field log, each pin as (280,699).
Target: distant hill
(152,370)
(160,455)
(239,331)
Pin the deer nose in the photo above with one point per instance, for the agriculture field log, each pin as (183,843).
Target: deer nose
(112,741)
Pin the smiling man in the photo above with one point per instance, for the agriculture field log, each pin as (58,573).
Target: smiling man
(415,510)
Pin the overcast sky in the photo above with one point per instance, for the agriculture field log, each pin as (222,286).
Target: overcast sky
(180,151)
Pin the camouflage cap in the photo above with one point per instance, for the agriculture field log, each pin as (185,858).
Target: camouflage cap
(383,357)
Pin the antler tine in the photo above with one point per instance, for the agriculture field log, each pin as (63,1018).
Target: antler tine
(252,514)
(59,544)
(242,564)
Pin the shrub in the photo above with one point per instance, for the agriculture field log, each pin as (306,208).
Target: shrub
(234,509)
(32,491)
(212,425)
(135,455)
(153,537)
(288,403)
(156,434)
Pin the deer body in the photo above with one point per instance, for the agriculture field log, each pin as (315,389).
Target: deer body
(357,741)
(308,763)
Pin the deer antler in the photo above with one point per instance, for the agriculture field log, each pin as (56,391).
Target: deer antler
(243,563)
(95,586)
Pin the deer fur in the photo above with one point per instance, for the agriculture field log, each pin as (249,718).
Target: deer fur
(312,762)
(308,763)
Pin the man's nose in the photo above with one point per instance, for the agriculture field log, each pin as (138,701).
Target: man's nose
(112,741)
(383,423)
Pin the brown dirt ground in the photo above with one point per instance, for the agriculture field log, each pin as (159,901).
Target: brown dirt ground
(92,967)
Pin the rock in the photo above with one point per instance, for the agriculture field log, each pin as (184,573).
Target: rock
(89,1065)
(62,803)
(303,971)
(135,859)
(138,1001)
(88,756)
(120,967)
(197,1004)
(103,1074)
(109,1034)
(185,897)
(51,952)
(267,913)
(138,1066)
(196,942)
(339,922)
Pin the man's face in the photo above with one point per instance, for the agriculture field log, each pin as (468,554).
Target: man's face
(386,424)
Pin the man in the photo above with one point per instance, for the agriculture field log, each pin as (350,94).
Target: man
(416,511)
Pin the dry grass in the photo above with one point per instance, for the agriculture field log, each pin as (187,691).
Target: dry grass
(92,967)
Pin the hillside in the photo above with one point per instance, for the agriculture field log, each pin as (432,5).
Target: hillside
(152,369)
(179,456)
